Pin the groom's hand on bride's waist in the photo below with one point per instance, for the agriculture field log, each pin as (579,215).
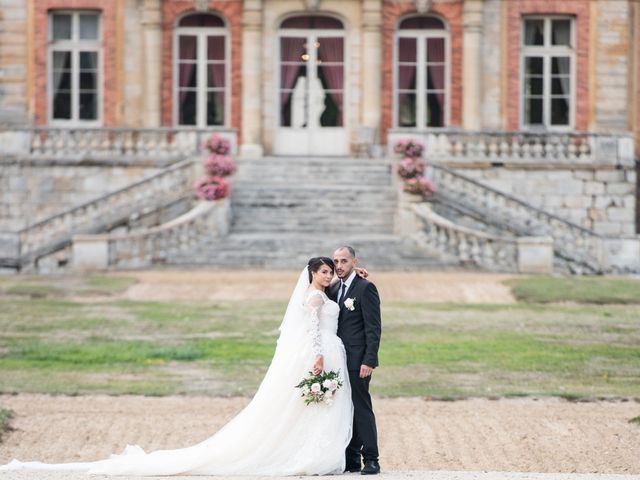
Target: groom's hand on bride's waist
(365,371)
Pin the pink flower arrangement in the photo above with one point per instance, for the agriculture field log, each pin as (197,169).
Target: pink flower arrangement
(409,148)
(420,186)
(212,188)
(411,168)
(217,144)
(217,165)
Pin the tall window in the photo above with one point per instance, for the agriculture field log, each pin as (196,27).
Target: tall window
(74,67)
(548,59)
(421,73)
(201,71)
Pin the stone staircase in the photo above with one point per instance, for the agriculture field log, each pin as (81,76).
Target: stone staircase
(286,210)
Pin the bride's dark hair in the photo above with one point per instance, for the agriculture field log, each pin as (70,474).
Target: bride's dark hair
(316,262)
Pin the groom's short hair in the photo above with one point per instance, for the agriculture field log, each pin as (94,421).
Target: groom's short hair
(350,249)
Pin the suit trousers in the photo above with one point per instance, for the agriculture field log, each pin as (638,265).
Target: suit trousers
(364,442)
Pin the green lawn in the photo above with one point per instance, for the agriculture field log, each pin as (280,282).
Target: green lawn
(53,341)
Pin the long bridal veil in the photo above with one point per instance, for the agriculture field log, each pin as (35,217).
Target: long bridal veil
(275,434)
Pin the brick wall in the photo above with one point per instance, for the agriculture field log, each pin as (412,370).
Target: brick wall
(577,8)
(108,18)
(231,11)
(452,14)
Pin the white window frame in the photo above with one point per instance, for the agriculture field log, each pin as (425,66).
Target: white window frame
(74,45)
(547,51)
(313,34)
(421,35)
(201,34)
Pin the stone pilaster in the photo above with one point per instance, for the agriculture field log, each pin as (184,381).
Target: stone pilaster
(251,145)
(472,64)
(371,75)
(152,28)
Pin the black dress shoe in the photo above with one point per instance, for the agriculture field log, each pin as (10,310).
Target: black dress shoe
(354,469)
(371,467)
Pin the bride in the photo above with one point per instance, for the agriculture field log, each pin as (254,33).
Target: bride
(276,433)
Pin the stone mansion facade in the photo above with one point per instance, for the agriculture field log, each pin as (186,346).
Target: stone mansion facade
(539,99)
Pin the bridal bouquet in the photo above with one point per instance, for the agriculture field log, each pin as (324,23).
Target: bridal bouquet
(320,388)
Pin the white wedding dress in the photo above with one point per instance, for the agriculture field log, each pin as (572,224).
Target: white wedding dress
(276,433)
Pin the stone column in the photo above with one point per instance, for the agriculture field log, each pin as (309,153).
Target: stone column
(152,31)
(251,146)
(472,64)
(371,76)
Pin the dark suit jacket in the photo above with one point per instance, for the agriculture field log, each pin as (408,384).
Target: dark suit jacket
(361,328)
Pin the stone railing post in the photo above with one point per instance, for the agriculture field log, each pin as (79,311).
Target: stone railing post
(535,254)
(90,252)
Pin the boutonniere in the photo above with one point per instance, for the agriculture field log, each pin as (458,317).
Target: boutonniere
(350,304)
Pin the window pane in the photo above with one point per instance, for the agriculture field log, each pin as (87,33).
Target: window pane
(435,50)
(188,73)
(534,66)
(435,110)
(331,77)
(312,21)
(88,80)
(293,76)
(533,85)
(202,20)
(407,77)
(435,77)
(62,105)
(407,49)
(187,99)
(215,48)
(421,23)
(332,114)
(61,26)
(330,49)
(89,27)
(406,109)
(533,111)
(560,65)
(561,32)
(188,45)
(560,85)
(292,49)
(62,80)
(216,76)
(62,60)
(286,100)
(560,111)
(89,60)
(534,32)
(215,108)
(88,106)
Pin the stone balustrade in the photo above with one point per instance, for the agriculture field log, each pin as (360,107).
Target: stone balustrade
(154,245)
(572,242)
(103,213)
(520,148)
(106,143)
(471,247)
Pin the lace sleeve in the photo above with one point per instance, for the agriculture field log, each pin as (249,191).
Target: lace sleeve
(314,304)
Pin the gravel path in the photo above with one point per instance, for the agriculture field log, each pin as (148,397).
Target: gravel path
(509,435)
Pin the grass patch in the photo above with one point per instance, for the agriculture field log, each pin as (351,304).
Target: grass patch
(588,290)
(57,286)
(635,420)
(5,421)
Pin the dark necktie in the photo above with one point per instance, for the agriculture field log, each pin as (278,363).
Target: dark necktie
(342,292)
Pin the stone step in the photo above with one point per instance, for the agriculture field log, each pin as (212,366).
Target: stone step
(284,251)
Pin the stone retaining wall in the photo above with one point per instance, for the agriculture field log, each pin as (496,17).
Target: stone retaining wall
(599,199)
(31,191)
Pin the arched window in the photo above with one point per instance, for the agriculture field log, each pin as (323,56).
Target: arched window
(200,71)
(421,90)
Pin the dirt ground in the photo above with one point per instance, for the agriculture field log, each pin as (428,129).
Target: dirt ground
(526,435)
(457,287)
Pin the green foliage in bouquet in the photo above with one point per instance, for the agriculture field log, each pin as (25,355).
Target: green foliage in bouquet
(320,388)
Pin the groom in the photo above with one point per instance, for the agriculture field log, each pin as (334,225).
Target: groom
(359,328)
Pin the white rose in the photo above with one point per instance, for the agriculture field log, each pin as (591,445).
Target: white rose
(349,302)
(328,400)
(327,384)
(315,388)
(333,385)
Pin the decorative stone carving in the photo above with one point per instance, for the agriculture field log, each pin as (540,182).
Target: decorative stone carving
(423,6)
(201,5)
